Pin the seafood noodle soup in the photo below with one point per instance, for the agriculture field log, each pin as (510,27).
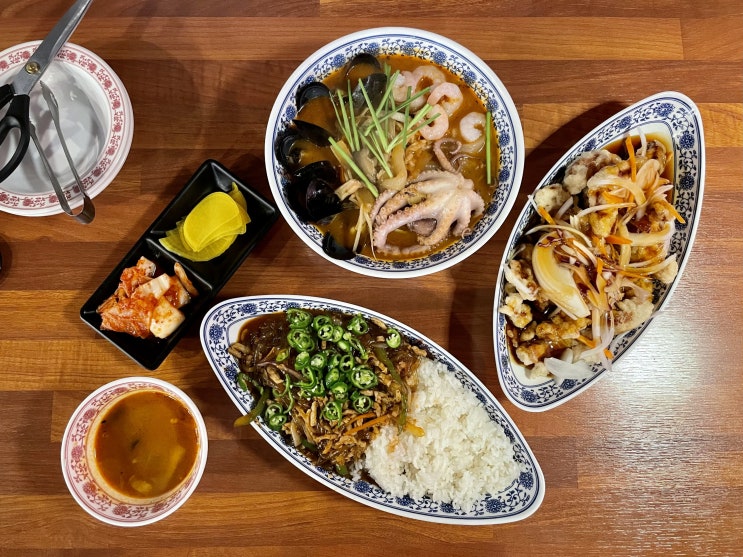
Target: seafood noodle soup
(391,157)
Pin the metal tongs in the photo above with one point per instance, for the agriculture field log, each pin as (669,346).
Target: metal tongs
(87,213)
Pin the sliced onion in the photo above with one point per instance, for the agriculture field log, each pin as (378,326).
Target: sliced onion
(568,370)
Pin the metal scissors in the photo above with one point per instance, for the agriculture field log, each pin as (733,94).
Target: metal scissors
(16,94)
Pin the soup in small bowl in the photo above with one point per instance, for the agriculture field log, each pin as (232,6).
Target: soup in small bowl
(134,451)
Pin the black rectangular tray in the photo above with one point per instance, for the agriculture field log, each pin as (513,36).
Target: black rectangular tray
(209,277)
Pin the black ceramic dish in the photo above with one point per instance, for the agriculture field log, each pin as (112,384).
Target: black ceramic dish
(208,277)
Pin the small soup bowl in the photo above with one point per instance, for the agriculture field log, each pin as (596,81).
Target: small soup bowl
(87,485)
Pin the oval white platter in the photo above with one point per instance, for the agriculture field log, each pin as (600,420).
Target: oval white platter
(220,328)
(668,114)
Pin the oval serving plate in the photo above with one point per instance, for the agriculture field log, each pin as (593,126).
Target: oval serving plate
(220,328)
(668,114)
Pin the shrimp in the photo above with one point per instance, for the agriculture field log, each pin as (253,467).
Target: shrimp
(449,91)
(472,126)
(415,81)
(438,128)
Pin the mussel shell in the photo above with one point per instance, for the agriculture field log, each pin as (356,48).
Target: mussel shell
(287,150)
(363,59)
(311,192)
(375,85)
(311,91)
(336,250)
(312,132)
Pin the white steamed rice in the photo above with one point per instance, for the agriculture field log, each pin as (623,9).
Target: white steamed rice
(462,456)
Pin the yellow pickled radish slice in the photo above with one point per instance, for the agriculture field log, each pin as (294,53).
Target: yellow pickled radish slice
(239,198)
(173,243)
(214,216)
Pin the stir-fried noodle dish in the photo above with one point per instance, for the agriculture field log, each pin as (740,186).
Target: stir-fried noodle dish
(586,271)
(391,157)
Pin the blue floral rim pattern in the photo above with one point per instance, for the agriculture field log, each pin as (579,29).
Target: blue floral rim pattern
(679,117)
(458,60)
(220,328)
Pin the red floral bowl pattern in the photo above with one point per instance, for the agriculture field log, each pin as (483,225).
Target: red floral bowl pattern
(81,482)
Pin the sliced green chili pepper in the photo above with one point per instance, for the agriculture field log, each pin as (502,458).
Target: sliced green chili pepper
(318,389)
(321,321)
(298,318)
(333,375)
(346,364)
(333,358)
(311,378)
(358,325)
(302,361)
(300,340)
(394,339)
(255,412)
(273,409)
(362,377)
(333,411)
(283,354)
(325,332)
(276,421)
(337,333)
(344,346)
(362,404)
(318,360)
(242,381)
(339,390)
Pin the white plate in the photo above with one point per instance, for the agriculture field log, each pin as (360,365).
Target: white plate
(220,328)
(671,115)
(97,123)
(429,47)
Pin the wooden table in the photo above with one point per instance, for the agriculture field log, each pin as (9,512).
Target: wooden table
(648,462)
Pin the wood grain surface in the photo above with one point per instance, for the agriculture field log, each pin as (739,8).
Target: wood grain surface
(647,462)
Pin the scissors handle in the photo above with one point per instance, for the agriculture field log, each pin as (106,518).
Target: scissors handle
(15,118)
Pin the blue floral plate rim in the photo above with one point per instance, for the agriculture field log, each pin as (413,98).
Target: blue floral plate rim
(667,112)
(521,499)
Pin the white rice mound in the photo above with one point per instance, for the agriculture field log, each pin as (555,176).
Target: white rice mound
(462,456)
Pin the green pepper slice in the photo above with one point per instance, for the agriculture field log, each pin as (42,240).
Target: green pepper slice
(339,390)
(298,318)
(363,377)
(362,403)
(333,411)
(300,340)
(394,338)
(358,325)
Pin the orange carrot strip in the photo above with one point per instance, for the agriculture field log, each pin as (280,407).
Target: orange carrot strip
(587,341)
(611,198)
(545,215)
(674,212)
(614,239)
(608,353)
(632,161)
(370,423)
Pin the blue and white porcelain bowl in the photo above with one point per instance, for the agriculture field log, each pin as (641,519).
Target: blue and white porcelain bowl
(429,47)
(670,115)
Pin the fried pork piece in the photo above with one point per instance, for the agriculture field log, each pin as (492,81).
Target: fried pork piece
(585,166)
(551,197)
(517,310)
(631,313)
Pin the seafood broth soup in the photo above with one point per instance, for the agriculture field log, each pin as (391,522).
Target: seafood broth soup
(424,189)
